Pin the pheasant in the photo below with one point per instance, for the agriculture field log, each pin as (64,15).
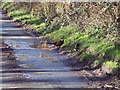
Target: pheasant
(58,43)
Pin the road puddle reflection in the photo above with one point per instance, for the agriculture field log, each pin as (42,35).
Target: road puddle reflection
(50,59)
(55,61)
(22,55)
(17,46)
(43,46)
(43,55)
(21,59)
(17,51)
(27,65)
(11,43)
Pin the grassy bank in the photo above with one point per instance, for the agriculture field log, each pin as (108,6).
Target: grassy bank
(98,46)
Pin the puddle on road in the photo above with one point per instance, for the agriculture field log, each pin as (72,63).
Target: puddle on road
(17,46)
(11,43)
(50,62)
(27,65)
(43,55)
(17,51)
(22,55)
(43,46)
(21,59)
(50,59)
(55,61)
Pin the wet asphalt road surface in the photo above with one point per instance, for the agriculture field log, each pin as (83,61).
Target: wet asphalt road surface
(37,65)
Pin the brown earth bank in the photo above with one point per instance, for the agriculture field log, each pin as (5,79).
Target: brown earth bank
(96,76)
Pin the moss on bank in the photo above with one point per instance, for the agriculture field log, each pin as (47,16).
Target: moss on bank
(97,43)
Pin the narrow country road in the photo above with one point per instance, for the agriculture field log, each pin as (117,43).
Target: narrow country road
(36,64)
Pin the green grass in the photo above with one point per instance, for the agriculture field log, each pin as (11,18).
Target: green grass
(19,18)
(55,25)
(17,13)
(111,64)
(39,28)
(113,53)
(6,5)
(62,32)
(34,20)
(9,7)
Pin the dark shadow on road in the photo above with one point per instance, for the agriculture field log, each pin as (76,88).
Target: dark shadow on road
(7,33)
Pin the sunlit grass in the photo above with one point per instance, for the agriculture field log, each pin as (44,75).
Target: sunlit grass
(62,32)
(27,16)
(17,13)
(34,20)
(111,64)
